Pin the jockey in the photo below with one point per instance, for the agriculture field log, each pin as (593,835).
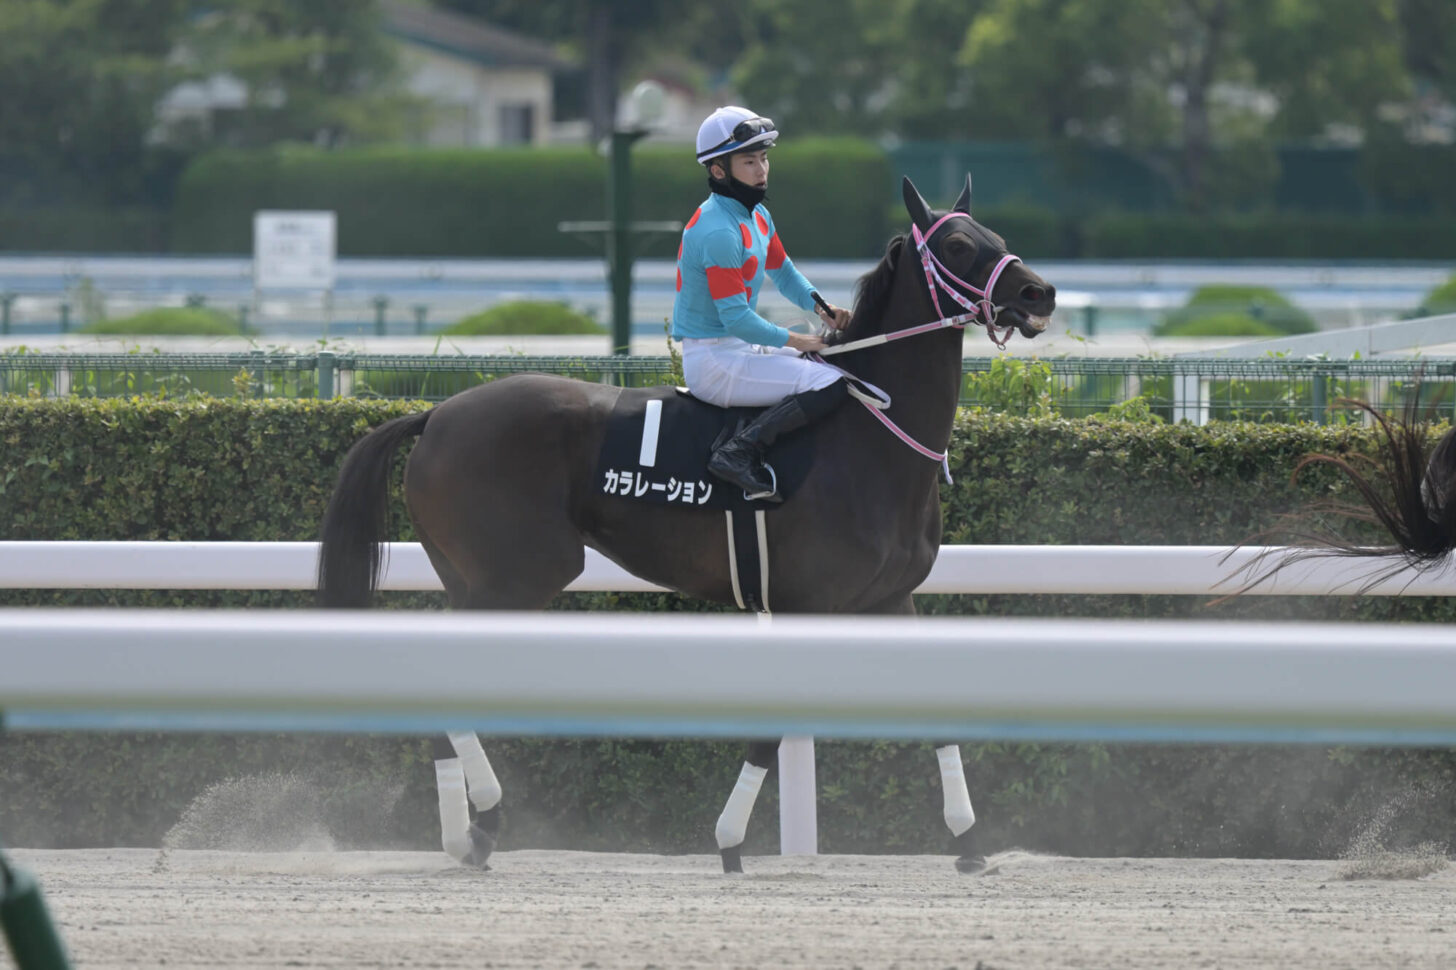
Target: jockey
(731,355)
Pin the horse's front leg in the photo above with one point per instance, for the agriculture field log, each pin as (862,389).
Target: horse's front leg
(733,823)
(461,767)
(960,818)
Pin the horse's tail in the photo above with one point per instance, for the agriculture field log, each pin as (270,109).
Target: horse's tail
(357,519)
(1408,490)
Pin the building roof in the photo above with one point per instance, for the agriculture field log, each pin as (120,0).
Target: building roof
(467,37)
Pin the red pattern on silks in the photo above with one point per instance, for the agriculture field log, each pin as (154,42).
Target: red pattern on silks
(724,281)
(679,250)
(748,293)
(776,254)
(679,277)
(696,213)
(762,222)
(749,269)
(747,236)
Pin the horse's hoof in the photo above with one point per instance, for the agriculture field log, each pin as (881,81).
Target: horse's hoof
(482,844)
(971,865)
(732,859)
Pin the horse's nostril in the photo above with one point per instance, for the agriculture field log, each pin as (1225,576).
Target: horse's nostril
(1033,294)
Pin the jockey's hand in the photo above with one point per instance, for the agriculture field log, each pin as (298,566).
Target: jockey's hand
(805,342)
(838,318)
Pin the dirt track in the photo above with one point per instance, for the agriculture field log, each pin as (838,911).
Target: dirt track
(119,908)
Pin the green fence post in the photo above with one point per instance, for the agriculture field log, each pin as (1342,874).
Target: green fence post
(29,933)
(6,299)
(242,318)
(1319,392)
(1089,317)
(196,301)
(327,364)
(381,303)
(420,310)
(65,318)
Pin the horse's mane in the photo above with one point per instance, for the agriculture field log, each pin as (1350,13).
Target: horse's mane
(872,295)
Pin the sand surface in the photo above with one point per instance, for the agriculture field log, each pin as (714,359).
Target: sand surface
(121,908)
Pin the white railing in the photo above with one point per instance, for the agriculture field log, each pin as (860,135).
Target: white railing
(704,674)
(1010,569)
(654,675)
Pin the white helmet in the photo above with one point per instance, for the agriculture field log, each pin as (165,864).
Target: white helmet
(732,129)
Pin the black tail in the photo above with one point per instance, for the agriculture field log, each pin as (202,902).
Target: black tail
(357,519)
(1408,491)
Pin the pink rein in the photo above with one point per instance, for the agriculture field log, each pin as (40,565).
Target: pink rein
(981,311)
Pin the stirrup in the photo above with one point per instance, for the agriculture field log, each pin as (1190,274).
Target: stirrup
(773,488)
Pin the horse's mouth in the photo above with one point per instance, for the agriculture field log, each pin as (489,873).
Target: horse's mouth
(1028,325)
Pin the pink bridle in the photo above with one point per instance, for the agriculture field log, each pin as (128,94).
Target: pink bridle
(980,310)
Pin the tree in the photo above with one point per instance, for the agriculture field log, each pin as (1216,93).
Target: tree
(315,72)
(81,81)
(1198,76)
(607,33)
(819,67)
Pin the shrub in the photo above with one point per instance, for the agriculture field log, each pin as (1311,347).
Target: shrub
(525,317)
(1217,325)
(174,321)
(1440,300)
(1221,310)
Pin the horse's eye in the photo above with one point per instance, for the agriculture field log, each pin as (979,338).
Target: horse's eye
(959,249)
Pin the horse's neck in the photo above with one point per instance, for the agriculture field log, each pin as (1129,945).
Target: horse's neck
(922,374)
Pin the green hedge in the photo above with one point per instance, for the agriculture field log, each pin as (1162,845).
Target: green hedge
(508,202)
(261,470)
(1267,236)
(84,229)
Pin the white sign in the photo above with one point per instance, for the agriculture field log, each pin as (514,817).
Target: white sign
(293,250)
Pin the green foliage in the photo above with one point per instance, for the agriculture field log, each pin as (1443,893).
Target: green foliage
(321,74)
(169,321)
(508,202)
(1014,386)
(1267,236)
(525,317)
(1135,410)
(1225,310)
(1216,325)
(1442,299)
(209,469)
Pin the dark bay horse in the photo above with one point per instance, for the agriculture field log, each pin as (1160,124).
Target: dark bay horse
(501,490)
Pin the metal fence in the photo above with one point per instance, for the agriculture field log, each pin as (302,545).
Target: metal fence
(1194,389)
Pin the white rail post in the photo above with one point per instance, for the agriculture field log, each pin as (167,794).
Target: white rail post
(798,798)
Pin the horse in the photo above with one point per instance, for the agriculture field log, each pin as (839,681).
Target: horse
(501,491)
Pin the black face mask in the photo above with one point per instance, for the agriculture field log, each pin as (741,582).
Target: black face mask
(738,191)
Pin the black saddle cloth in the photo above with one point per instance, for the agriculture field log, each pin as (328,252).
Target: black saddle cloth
(678,471)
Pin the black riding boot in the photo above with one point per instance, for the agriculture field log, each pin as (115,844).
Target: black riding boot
(739,461)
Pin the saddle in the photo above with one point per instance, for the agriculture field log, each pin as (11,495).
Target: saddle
(657,446)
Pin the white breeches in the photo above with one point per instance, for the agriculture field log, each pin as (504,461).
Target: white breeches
(729,372)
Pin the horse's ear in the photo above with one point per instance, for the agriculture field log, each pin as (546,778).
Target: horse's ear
(963,204)
(915,205)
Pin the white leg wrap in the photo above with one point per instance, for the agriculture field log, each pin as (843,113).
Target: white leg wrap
(958,812)
(485,790)
(733,823)
(454,810)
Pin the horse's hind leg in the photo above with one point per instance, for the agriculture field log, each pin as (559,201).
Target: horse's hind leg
(733,823)
(464,781)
